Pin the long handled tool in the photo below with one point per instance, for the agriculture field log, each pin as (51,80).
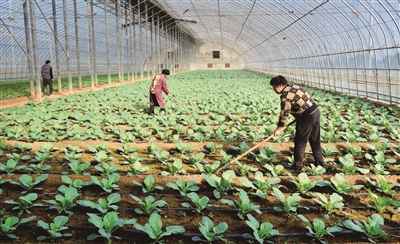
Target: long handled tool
(251,149)
(180,104)
(5,116)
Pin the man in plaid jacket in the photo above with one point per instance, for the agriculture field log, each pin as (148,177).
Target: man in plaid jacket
(297,102)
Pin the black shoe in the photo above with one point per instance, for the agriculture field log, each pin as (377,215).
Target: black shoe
(293,166)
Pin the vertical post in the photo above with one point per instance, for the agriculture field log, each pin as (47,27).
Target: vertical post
(68,56)
(28,48)
(36,68)
(140,40)
(131,42)
(134,46)
(126,35)
(120,58)
(167,47)
(107,44)
(146,53)
(159,43)
(93,43)
(56,49)
(153,43)
(90,45)
(78,52)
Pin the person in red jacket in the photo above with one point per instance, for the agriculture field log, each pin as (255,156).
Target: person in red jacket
(159,85)
(297,102)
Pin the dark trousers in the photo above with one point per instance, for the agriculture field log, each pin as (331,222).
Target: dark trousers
(154,99)
(47,82)
(308,129)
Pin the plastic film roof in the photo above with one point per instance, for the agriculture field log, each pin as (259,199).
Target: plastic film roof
(282,30)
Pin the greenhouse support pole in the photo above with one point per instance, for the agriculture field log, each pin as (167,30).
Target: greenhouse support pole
(140,41)
(153,43)
(78,52)
(159,68)
(120,60)
(34,49)
(126,35)
(90,46)
(68,56)
(131,42)
(56,49)
(93,43)
(134,45)
(28,48)
(107,44)
(146,52)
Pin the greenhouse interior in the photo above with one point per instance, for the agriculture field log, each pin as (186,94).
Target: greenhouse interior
(183,121)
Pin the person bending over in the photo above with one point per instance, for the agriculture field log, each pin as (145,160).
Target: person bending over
(159,85)
(296,101)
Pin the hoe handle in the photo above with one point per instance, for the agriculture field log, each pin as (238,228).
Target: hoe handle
(176,100)
(250,150)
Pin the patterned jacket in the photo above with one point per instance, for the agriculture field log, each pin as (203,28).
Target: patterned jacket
(295,101)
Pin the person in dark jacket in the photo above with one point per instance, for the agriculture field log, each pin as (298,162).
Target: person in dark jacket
(158,85)
(296,101)
(47,75)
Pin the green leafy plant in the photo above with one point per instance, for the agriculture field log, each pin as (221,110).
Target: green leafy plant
(132,158)
(102,157)
(220,184)
(137,169)
(208,169)
(25,202)
(261,232)
(64,203)
(127,149)
(213,148)
(79,168)
(347,163)
(335,202)
(243,206)
(106,168)
(304,184)
(244,169)
(108,184)
(107,225)
(379,158)
(372,229)
(275,170)
(54,229)
(10,224)
(290,204)
(261,184)
(149,205)
(340,185)
(175,168)
(183,187)
(28,183)
(317,229)
(148,184)
(154,228)
(315,170)
(199,203)
(184,149)
(382,185)
(103,205)
(381,203)
(267,155)
(209,232)
(11,166)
